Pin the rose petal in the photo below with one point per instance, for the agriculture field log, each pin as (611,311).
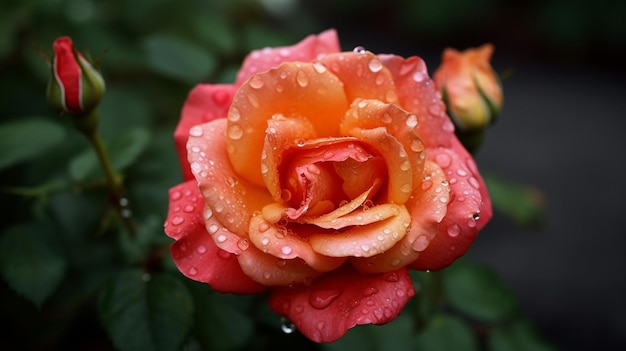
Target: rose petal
(231,199)
(282,243)
(468,211)
(363,75)
(399,171)
(365,240)
(341,299)
(273,271)
(371,114)
(194,252)
(205,103)
(330,219)
(427,209)
(293,90)
(417,93)
(307,50)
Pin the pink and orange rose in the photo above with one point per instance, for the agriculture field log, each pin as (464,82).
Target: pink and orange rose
(322,176)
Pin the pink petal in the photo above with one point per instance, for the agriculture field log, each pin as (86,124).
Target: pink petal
(230,199)
(205,103)
(469,209)
(417,94)
(194,252)
(307,50)
(337,301)
(273,271)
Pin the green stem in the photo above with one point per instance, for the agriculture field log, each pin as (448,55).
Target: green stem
(87,124)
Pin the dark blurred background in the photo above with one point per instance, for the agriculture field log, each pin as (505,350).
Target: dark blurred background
(561,130)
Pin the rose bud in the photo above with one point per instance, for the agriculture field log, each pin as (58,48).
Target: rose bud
(470,88)
(76,86)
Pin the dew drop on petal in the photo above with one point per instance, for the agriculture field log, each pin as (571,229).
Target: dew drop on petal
(375,65)
(421,243)
(411,121)
(286,250)
(177,220)
(319,68)
(201,249)
(321,299)
(196,131)
(419,76)
(256,82)
(359,50)
(286,326)
(265,241)
(243,244)
(302,78)
(235,132)
(192,271)
(370,291)
(391,277)
(454,230)
(176,195)
(221,238)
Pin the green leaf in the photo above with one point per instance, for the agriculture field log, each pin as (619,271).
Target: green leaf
(27,138)
(521,203)
(220,325)
(446,333)
(179,59)
(123,150)
(30,262)
(519,336)
(478,292)
(146,313)
(397,335)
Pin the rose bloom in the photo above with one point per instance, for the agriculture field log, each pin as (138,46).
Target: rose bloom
(322,176)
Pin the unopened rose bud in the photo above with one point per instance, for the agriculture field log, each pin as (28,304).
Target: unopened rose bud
(75,87)
(470,88)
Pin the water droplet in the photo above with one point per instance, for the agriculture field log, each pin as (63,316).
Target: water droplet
(417,145)
(359,50)
(476,216)
(221,238)
(192,271)
(265,241)
(235,132)
(443,160)
(454,230)
(419,76)
(321,299)
(213,228)
(319,68)
(243,244)
(286,326)
(302,78)
(177,220)
(370,291)
(196,131)
(264,168)
(189,208)
(365,247)
(234,114)
(474,182)
(471,223)
(207,213)
(421,243)
(461,172)
(411,121)
(201,249)
(256,82)
(286,250)
(405,165)
(395,262)
(375,65)
(391,277)
(253,99)
(406,188)
(176,195)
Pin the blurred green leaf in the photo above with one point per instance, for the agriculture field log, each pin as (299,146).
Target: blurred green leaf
(27,138)
(179,59)
(518,336)
(478,292)
(219,325)
(146,313)
(397,335)
(123,149)
(446,333)
(521,203)
(30,262)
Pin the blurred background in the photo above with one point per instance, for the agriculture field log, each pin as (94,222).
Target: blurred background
(561,130)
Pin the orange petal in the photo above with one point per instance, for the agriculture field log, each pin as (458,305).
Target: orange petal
(358,176)
(367,240)
(303,90)
(282,243)
(399,168)
(231,199)
(282,134)
(370,114)
(273,271)
(326,220)
(418,94)
(427,210)
(363,74)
